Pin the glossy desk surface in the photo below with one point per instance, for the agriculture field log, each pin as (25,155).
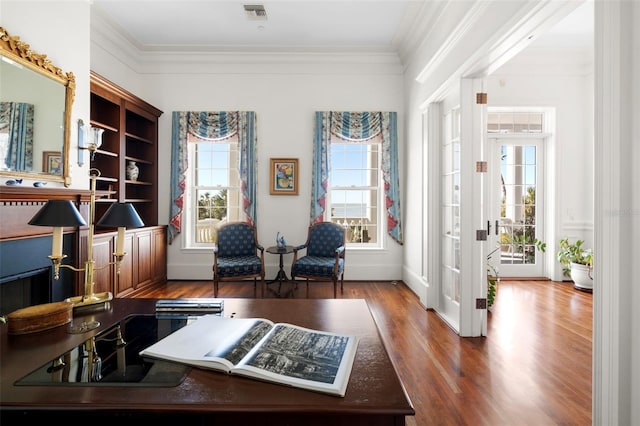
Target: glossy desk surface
(374,395)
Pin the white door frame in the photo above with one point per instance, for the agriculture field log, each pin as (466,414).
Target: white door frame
(495,141)
(473,214)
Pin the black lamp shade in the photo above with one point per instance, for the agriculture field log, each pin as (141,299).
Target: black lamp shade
(121,215)
(58,213)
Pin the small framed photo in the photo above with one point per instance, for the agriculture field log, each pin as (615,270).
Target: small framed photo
(52,162)
(284,176)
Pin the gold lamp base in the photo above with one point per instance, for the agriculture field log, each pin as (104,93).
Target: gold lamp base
(91,299)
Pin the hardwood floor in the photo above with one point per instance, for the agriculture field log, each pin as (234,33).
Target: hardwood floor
(533,368)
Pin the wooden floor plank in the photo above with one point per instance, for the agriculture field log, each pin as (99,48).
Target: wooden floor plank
(533,368)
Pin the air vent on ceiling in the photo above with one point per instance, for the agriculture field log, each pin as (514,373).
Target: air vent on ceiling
(255,12)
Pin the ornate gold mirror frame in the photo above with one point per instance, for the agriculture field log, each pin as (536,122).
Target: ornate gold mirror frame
(18,51)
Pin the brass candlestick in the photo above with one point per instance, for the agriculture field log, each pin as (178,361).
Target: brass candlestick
(61,213)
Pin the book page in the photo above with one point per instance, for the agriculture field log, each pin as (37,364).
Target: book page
(211,342)
(301,357)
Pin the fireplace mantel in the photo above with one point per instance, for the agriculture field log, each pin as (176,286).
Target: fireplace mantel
(18,204)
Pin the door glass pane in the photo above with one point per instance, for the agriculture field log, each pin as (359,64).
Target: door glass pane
(518,207)
(450,181)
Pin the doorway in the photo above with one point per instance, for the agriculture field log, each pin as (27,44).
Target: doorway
(517,195)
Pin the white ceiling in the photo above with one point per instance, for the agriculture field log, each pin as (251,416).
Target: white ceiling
(207,24)
(302,25)
(574,31)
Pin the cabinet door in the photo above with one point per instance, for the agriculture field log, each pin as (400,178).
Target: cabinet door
(160,255)
(143,242)
(102,250)
(124,280)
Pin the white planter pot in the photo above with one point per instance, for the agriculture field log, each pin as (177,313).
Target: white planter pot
(582,276)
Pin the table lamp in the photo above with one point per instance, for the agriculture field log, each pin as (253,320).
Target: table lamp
(61,213)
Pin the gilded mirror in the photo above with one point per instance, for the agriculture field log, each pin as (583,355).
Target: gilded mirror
(35,113)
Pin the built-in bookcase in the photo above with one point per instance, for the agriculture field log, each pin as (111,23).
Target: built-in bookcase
(130,134)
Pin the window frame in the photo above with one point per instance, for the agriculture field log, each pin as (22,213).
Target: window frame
(380,226)
(191,190)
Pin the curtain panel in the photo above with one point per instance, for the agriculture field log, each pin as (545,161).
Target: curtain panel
(217,126)
(358,127)
(16,144)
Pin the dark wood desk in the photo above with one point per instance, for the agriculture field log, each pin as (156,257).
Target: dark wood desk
(375,395)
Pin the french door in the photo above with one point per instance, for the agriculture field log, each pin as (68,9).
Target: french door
(450,288)
(517,203)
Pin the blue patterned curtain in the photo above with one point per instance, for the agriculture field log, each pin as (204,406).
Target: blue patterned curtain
(16,120)
(218,125)
(358,126)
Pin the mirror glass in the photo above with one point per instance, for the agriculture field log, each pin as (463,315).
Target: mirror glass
(35,111)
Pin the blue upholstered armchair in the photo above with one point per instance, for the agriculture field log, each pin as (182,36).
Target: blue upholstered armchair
(324,259)
(238,256)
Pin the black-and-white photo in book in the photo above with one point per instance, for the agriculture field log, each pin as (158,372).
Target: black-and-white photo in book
(255,347)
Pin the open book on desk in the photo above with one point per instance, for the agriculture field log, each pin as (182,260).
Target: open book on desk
(254,347)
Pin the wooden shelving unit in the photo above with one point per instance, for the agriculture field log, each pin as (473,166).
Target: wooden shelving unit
(130,134)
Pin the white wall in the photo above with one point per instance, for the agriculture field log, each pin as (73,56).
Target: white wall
(284,91)
(66,44)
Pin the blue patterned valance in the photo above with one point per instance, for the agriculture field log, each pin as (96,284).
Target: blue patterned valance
(357,127)
(216,125)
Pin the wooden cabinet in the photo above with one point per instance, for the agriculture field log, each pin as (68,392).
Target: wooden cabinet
(144,265)
(130,135)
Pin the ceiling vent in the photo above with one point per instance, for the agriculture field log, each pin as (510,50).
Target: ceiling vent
(255,12)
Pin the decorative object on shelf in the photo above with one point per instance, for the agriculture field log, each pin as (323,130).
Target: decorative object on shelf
(284,176)
(132,171)
(12,182)
(39,184)
(280,241)
(63,213)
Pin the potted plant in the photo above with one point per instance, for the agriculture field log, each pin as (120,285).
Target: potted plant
(577,263)
(493,278)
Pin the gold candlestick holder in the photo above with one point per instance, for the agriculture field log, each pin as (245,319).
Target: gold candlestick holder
(62,213)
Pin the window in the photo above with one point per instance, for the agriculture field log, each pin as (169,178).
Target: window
(214,188)
(355,172)
(515,122)
(234,172)
(355,193)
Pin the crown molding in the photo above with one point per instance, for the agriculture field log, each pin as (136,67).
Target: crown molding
(195,59)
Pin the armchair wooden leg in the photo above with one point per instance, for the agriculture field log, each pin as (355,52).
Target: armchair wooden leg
(335,288)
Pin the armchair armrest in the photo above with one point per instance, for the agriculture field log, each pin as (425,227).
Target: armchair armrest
(260,247)
(295,251)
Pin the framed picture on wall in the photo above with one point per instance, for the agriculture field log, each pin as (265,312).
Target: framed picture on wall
(284,176)
(52,162)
